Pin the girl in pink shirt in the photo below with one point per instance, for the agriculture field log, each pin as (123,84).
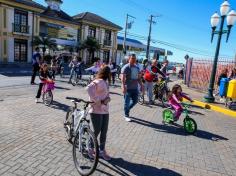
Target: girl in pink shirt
(98,92)
(175,100)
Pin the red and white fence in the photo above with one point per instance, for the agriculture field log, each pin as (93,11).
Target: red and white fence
(198,71)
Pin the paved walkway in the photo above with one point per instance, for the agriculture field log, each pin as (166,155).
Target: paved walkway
(32,140)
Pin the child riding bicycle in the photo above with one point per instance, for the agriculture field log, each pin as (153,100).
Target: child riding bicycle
(175,98)
(44,76)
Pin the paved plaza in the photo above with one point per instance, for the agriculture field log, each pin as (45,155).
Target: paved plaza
(32,139)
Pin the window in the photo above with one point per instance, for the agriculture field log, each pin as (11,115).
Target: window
(92,32)
(106,56)
(20,50)
(79,35)
(107,35)
(20,21)
(5,47)
(5,18)
(107,39)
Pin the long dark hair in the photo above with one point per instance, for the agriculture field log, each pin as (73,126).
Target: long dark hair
(174,90)
(42,66)
(104,73)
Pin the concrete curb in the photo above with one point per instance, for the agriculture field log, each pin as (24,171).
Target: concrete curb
(215,108)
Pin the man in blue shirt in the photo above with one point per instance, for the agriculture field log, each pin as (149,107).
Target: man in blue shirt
(36,64)
(130,79)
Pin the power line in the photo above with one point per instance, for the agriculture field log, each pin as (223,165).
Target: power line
(184,24)
(176,46)
(171,45)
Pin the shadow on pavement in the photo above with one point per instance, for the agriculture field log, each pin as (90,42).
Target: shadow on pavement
(64,81)
(115,86)
(59,106)
(195,106)
(195,113)
(62,88)
(124,168)
(17,74)
(178,130)
(115,93)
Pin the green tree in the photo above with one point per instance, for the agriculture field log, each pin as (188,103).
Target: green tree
(92,45)
(46,42)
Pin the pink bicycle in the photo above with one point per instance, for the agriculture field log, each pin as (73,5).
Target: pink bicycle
(47,92)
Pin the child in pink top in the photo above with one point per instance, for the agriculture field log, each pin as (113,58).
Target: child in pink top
(175,100)
(98,92)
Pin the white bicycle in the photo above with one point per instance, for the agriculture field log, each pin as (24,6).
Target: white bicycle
(78,133)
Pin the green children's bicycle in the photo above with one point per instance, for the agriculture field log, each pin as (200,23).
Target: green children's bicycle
(189,124)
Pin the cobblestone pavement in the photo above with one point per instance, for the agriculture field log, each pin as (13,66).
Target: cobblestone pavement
(32,140)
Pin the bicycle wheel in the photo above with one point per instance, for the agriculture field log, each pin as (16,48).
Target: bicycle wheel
(83,142)
(74,80)
(190,126)
(141,99)
(68,124)
(47,98)
(62,73)
(167,116)
(164,99)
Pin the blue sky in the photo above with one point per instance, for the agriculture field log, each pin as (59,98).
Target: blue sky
(183,23)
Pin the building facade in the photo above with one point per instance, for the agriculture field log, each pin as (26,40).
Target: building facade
(22,20)
(18,21)
(58,25)
(104,31)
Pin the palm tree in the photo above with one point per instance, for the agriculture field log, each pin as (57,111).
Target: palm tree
(92,45)
(46,42)
(78,47)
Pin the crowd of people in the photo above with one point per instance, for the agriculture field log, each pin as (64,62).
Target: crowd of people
(135,77)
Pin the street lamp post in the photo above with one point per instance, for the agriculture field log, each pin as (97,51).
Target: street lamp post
(215,19)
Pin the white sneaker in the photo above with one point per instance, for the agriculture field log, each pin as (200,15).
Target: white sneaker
(127,119)
(222,100)
(36,100)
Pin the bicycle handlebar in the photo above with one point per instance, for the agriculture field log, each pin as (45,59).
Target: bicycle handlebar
(186,105)
(78,100)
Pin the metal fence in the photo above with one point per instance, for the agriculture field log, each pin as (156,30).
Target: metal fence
(198,71)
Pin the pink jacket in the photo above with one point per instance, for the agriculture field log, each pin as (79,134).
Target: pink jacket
(176,99)
(98,90)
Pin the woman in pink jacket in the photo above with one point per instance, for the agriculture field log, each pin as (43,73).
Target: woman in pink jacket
(98,91)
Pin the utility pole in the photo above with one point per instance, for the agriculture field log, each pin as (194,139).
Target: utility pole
(149,35)
(127,26)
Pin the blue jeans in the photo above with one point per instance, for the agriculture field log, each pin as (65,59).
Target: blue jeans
(131,99)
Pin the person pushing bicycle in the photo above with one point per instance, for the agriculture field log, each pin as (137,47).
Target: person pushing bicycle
(151,75)
(44,76)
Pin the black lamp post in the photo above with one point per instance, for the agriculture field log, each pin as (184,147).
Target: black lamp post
(215,19)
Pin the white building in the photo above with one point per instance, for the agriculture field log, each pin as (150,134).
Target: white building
(138,48)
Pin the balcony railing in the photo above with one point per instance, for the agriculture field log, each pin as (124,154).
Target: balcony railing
(19,28)
(107,42)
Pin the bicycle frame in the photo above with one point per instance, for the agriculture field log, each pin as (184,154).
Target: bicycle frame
(47,86)
(185,109)
(81,115)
